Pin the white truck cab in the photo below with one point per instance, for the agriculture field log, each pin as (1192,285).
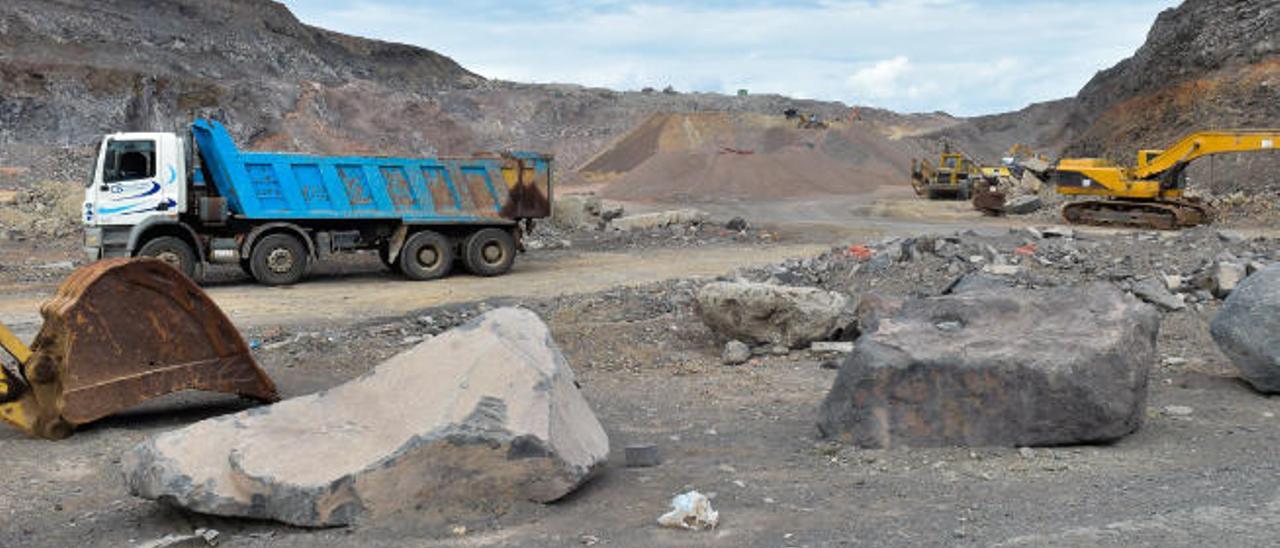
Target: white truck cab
(139,180)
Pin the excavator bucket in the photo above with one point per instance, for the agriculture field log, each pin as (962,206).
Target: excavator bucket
(119,332)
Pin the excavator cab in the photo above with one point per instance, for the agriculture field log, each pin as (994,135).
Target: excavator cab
(119,332)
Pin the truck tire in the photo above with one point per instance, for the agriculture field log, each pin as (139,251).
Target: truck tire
(278,259)
(489,252)
(171,250)
(426,255)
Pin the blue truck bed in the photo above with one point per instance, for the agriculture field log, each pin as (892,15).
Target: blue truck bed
(488,189)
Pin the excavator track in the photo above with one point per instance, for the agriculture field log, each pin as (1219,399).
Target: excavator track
(1155,215)
(119,332)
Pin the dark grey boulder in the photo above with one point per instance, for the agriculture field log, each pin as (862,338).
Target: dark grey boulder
(1006,367)
(1247,329)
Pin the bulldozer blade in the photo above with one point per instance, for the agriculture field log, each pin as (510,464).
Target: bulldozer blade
(122,331)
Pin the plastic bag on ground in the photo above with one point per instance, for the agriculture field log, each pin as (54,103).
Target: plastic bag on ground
(690,510)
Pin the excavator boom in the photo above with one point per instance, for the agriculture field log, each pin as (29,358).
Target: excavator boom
(119,332)
(1150,194)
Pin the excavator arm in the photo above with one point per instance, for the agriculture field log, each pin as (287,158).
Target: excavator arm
(1200,144)
(1150,194)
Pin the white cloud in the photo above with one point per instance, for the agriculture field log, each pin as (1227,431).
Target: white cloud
(963,56)
(882,80)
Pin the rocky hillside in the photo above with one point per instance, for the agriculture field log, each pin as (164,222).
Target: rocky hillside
(72,71)
(1205,64)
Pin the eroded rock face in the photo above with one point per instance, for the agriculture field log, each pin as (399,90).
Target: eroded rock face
(1006,367)
(485,414)
(770,314)
(1247,329)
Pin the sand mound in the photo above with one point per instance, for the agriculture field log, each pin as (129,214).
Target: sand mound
(717,155)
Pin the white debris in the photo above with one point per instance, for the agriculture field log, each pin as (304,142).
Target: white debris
(692,511)
(843,347)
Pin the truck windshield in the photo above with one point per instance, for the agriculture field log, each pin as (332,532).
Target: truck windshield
(128,160)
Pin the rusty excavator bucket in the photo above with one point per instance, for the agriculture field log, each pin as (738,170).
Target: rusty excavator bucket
(117,333)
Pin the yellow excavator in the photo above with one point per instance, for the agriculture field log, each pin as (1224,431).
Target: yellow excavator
(1150,195)
(119,332)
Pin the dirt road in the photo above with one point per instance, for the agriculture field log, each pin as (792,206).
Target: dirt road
(363,290)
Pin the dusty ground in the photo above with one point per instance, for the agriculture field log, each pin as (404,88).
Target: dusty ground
(745,434)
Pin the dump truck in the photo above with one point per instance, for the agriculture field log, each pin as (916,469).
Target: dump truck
(195,200)
(119,332)
(1150,193)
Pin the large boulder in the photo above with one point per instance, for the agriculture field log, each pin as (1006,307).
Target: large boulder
(1247,329)
(576,211)
(770,314)
(478,417)
(660,219)
(1004,367)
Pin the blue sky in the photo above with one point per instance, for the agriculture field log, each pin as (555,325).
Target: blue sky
(966,57)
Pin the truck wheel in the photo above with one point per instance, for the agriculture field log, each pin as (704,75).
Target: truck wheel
(173,251)
(278,259)
(426,255)
(489,252)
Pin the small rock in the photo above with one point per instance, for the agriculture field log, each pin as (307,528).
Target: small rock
(1225,277)
(735,352)
(1002,269)
(611,210)
(1178,410)
(1027,453)
(1023,205)
(1154,292)
(641,456)
(1058,232)
(1230,236)
(736,224)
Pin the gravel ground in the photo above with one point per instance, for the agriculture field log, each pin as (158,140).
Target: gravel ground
(1200,472)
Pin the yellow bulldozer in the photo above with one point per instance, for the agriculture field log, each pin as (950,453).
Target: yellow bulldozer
(952,178)
(116,333)
(1149,194)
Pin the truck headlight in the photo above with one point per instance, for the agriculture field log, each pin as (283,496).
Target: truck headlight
(93,237)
